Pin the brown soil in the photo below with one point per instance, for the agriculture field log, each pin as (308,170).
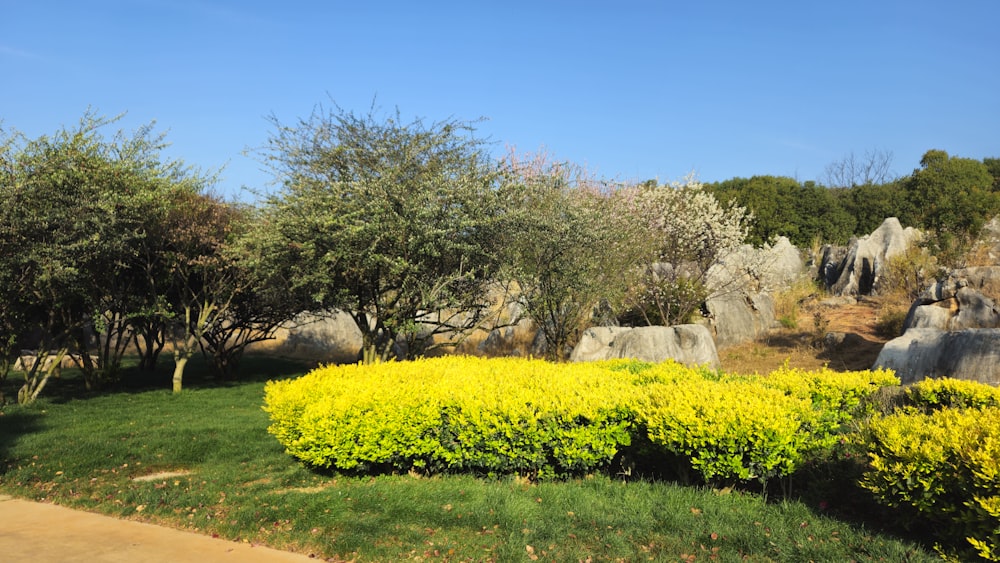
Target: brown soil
(807,346)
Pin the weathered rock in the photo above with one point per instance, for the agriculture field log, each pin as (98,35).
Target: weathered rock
(28,358)
(965,299)
(688,344)
(856,270)
(739,317)
(743,308)
(971,354)
(329,338)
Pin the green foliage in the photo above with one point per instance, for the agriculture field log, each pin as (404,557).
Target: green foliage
(782,206)
(396,223)
(993,166)
(952,198)
(77,217)
(940,469)
(871,204)
(565,250)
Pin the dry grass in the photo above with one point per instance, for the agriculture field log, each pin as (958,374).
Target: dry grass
(803,344)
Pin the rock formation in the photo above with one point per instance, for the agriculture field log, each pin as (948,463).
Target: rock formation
(688,344)
(331,338)
(965,299)
(971,354)
(855,270)
(742,308)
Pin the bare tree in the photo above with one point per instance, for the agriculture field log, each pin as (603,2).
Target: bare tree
(872,168)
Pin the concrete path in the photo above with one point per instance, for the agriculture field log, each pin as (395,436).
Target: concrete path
(43,533)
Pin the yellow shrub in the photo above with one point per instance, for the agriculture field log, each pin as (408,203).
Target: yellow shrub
(734,430)
(933,394)
(456,413)
(510,415)
(945,467)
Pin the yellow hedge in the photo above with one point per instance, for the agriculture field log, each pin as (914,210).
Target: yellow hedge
(945,466)
(539,418)
(933,394)
(728,430)
(456,414)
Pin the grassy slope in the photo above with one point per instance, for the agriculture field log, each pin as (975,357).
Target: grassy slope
(96,452)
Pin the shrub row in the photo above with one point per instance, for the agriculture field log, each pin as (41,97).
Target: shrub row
(938,461)
(454,414)
(542,419)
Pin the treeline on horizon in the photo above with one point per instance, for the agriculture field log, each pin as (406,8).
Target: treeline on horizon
(950,195)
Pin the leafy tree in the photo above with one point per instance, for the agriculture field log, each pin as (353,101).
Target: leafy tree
(396,223)
(993,166)
(567,252)
(871,204)
(204,284)
(69,238)
(782,206)
(260,302)
(953,198)
(79,211)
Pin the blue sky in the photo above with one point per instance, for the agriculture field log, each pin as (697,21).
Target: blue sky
(631,89)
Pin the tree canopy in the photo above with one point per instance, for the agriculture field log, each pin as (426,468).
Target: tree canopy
(394,222)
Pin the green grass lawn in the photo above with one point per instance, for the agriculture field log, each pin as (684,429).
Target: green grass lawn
(202,460)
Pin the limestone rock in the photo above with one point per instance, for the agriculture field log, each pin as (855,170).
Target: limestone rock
(855,271)
(742,307)
(688,344)
(965,299)
(970,354)
(328,338)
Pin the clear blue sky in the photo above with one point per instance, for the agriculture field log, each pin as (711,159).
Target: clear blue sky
(633,90)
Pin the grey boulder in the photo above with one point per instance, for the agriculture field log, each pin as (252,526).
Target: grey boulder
(920,353)
(687,344)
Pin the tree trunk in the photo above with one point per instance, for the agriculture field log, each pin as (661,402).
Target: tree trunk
(179,363)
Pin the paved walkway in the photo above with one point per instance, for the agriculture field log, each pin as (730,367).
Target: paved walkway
(43,533)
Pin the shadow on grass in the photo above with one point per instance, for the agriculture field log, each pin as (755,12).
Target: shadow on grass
(850,351)
(13,425)
(70,385)
(827,487)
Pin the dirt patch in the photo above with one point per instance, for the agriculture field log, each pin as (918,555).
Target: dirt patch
(842,336)
(163,475)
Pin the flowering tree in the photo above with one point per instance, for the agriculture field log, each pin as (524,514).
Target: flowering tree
(568,252)
(687,233)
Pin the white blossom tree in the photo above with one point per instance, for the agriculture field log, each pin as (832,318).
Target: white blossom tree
(687,233)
